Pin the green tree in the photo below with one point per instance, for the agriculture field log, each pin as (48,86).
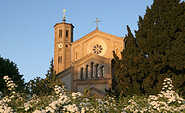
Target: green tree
(45,86)
(161,37)
(159,52)
(127,69)
(9,68)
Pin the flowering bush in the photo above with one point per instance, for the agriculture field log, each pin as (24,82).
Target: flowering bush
(75,102)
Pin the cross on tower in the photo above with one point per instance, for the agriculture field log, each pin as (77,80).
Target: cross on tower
(97,22)
(64,15)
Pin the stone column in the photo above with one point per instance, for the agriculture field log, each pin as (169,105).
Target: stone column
(100,71)
(84,73)
(94,71)
(89,71)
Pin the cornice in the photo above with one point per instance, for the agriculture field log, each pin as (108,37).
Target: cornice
(63,23)
(97,33)
(91,56)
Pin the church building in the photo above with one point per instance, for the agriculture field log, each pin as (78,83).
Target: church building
(87,62)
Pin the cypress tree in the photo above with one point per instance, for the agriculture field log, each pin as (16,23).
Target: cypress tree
(157,52)
(161,37)
(126,68)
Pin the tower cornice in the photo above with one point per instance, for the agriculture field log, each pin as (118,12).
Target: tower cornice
(63,23)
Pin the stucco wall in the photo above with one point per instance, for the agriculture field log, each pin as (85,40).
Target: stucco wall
(67,81)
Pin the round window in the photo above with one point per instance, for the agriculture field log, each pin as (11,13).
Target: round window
(97,48)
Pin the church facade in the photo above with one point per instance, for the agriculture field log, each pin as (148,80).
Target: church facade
(87,62)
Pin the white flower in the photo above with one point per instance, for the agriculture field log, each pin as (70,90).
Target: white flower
(49,109)
(86,99)
(83,110)
(77,94)
(168,79)
(5,77)
(179,102)
(71,108)
(160,95)
(165,86)
(53,104)
(38,111)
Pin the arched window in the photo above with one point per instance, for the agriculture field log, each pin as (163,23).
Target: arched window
(82,73)
(87,71)
(76,55)
(60,59)
(67,33)
(97,70)
(102,71)
(92,64)
(60,33)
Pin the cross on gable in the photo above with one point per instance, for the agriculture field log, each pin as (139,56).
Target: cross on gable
(97,22)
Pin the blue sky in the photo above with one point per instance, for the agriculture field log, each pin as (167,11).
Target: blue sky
(27,32)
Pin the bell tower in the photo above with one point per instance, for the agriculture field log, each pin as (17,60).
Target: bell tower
(62,45)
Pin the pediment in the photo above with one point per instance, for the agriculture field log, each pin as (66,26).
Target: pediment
(97,42)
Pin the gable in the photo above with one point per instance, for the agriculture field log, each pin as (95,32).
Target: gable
(97,42)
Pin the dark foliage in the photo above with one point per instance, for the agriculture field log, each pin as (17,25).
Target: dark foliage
(129,75)
(9,68)
(160,50)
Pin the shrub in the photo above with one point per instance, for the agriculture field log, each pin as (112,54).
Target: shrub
(75,102)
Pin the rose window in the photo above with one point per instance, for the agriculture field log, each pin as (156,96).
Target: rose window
(97,48)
